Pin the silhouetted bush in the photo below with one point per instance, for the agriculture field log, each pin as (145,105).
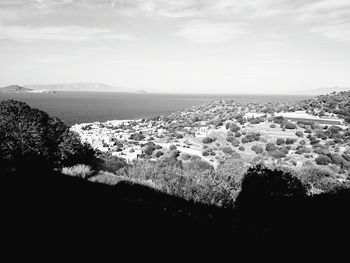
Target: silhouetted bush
(30,138)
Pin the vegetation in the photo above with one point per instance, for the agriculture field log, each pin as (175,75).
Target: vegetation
(30,138)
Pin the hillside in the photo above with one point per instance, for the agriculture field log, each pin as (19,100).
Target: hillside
(15,89)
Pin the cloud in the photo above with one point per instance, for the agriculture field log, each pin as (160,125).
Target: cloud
(327,18)
(206,32)
(340,32)
(64,33)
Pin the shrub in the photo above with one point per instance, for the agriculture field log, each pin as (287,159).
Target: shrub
(235,143)
(257,149)
(185,156)
(302,150)
(207,140)
(308,130)
(273,126)
(327,184)
(346,155)
(205,153)
(172,147)
(150,147)
(322,151)
(280,141)
(323,160)
(337,159)
(174,154)
(235,155)
(290,126)
(234,127)
(199,165)
(278,119)
(285,149)
(261,186)
(106,178)
(227,150)
(251,137)
(238,134)
(230,139)
(244,140)
(270,146)
(110,163)
(137,136)
(179,136)
(311,174)
(229,134)
(299,133)
(277,154)
(290,141)
(79,170)
(241,148)
(158,154)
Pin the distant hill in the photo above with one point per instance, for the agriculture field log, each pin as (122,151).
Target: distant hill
(326,90)
(80,86)
(15,89)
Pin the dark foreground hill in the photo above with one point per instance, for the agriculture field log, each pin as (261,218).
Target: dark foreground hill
(55,212)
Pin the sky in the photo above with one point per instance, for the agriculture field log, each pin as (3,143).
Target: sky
(178,46)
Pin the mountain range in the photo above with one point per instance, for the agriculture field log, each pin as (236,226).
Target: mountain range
(79,86)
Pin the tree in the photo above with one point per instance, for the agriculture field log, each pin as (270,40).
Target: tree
(71,151)
(30,138)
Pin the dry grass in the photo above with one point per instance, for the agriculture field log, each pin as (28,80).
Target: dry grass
(79,170)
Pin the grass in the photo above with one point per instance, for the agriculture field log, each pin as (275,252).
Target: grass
(79,170)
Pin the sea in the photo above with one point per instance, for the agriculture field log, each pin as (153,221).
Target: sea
(84,107)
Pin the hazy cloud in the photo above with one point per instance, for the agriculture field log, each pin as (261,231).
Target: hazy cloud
(67,33)
(206,32)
